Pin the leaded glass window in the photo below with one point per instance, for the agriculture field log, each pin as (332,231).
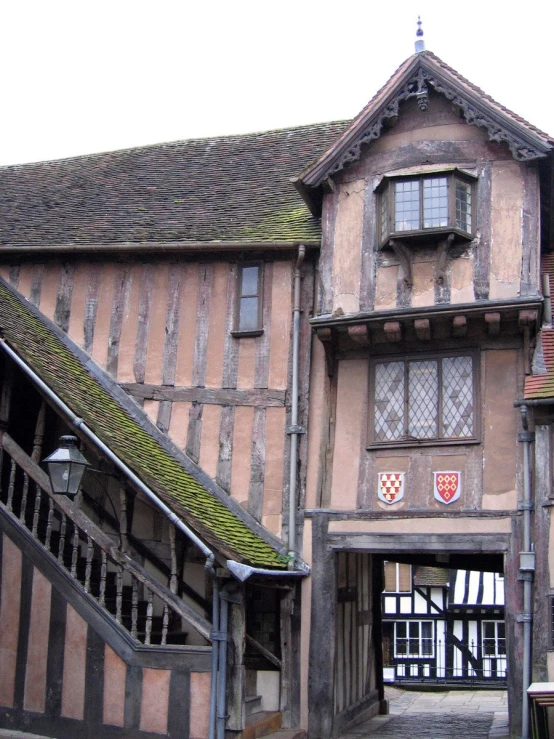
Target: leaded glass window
(249,299)
(426,203)
(413,639)
(431,398)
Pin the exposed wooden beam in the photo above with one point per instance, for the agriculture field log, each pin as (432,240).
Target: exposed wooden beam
(459,326)
(422,328)
(393,330)
(493,323)
(358,334)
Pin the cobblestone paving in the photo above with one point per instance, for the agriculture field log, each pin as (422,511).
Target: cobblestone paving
(474,714)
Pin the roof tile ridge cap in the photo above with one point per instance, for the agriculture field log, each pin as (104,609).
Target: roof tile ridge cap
(172,144)
(480,92)
(120,397)
(357,118)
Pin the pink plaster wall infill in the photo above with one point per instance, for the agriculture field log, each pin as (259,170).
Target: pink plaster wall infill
(5,272)
(178,426)
(273,523)
(128,337)
(506,228)
(155,700)
(151,409)
(187,326)
(76,329)
(500,421)
(25,280)
(386,287)
(49,291)
(423,290)
(274,460)
(115,674)
(461,281)
(351,414)
(246,363)
(241,459)
(10,605)
(217,319)
(459,525)
(318,385)
(449,132)
(103,315)
(200,699)
(209,440)
(348,247)
(74,665)
(157,324)
(281,316)
(37,650)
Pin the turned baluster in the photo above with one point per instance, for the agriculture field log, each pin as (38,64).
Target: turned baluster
(49,524)
(134,609)
(75,552)
(24,496)
(36,513)
(119,594)
(103,576)
(165,624)
(61,545)
(11,486)
(123,518)
(88,568)
(173,578)
(149,612)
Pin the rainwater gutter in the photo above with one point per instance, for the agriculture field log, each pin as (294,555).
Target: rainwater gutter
(526,569)
(294,430)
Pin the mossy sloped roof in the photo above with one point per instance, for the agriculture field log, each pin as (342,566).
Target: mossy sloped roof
(127,431)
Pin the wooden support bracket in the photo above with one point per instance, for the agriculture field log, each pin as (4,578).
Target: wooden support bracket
(404,256)
(423,329)
(358,334)
(459,326)
(325,335)
(493,323)
(393,330)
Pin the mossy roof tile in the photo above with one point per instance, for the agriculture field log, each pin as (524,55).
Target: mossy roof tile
(229,188)
(130,435)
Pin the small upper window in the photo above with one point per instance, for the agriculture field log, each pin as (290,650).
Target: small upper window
(249,300)
(398,578)
(418,206)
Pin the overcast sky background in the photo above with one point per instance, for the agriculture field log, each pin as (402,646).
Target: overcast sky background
(80,77)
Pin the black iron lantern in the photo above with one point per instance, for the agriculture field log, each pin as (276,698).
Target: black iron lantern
(66,467)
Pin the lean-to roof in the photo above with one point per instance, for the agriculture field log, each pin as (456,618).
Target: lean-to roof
(540,384)
(225,189)
(128,432)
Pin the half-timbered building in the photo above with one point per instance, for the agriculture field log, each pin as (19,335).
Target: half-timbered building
(277,386)
(443,626)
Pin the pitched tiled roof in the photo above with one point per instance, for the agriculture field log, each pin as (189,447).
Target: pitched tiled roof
(231,188)
(431,576)
(541,384)
(342,146)
(125,428)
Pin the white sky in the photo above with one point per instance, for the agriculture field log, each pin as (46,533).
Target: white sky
(83,76)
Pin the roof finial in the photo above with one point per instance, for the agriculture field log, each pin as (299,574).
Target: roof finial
(420,43)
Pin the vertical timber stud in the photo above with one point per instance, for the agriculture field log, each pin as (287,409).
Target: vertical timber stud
(322,634)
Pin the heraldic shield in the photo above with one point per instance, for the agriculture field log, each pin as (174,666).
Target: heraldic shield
(448,486)
(390,486)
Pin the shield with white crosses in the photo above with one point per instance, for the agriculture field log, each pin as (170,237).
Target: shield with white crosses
(390,486)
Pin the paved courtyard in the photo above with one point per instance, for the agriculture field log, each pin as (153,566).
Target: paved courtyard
(475,714)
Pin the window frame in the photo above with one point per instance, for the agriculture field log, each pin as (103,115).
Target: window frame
(409,655)
(397,579)
(493,641)
(258,331)
(408,441)
(385,192)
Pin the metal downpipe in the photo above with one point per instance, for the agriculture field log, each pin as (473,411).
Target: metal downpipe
(527,568)
(222,671)
(215,658)
(294,429)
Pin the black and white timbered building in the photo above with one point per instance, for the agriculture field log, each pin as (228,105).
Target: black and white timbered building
(443,625)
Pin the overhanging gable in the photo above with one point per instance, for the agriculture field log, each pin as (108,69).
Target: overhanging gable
(415,78)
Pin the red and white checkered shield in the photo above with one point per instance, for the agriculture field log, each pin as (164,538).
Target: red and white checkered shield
(448,486)
(390,487)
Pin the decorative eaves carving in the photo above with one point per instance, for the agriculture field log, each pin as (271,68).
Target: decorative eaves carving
(418,87)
